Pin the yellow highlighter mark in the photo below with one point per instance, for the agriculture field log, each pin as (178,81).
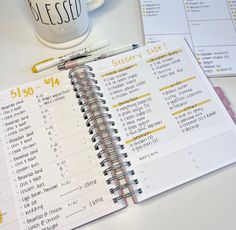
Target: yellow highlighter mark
(177,83)
(145,134)
(1,218)
(190,107)
(130,100)
(164,55)
(118,71)
(52,81)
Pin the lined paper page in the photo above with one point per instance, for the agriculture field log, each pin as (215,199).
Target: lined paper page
(50,175)
(171,121)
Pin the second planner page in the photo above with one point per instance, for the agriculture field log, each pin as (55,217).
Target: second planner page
(209,27)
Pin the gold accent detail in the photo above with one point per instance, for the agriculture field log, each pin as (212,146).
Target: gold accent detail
(34,69)
(164,55)
(41,62)
(130,100)
(191,107)
(119,70)
(177,83)
(145,134)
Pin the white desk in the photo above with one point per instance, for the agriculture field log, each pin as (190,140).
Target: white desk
(208,203)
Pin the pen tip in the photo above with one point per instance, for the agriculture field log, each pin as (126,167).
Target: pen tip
(34,69)
(135,46)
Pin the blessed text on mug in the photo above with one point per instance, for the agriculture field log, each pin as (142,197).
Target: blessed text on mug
(56,13)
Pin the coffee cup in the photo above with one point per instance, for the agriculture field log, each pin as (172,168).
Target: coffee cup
(62,23)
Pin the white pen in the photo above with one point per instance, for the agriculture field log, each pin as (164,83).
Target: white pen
(76,62)
(51,62)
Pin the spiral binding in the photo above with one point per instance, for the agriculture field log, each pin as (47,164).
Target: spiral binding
(101,127)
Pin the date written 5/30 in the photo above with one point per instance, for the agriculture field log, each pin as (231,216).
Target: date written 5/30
(29,91)
(18,92)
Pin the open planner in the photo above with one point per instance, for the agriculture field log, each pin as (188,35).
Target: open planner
(209,27)
(73,149)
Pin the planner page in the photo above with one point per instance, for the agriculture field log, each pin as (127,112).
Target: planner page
(50,177)
(172,124)
(209,26)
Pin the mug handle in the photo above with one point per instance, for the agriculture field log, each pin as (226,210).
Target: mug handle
(94,4)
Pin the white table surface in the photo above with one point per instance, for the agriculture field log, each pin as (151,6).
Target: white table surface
(208,203)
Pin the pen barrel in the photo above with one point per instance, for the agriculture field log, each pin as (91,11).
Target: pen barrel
(84,51)
(51,62)
(44,65)
(82,61)
(72,64)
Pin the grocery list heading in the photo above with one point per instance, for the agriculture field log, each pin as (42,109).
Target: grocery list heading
(160,47)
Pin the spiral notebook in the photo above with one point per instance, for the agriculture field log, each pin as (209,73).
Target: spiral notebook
(74,149)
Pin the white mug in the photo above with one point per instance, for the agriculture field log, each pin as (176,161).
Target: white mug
(62,23)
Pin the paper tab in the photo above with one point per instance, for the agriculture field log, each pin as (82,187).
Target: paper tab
(1,218)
